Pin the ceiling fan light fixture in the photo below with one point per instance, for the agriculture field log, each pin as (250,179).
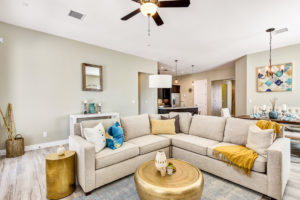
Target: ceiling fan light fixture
(148,9)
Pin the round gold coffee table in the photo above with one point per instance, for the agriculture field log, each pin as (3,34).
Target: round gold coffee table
(185,184)
(60,174)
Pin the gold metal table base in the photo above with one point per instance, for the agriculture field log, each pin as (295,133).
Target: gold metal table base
(185,184)
(60,175)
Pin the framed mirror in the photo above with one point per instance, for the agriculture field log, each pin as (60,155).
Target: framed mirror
(92,77)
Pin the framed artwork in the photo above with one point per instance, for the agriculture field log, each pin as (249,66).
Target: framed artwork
(281,81)
(92,78)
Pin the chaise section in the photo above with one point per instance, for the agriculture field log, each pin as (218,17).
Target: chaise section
(260,164)
(85,162)
(149,143)
(108,157)
(193,143)
(279,155)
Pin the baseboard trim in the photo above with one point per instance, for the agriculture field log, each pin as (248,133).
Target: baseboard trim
(40,146)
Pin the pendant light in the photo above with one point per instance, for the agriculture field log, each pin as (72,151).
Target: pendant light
(176,80)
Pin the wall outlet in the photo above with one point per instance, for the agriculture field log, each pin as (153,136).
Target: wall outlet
(45,134)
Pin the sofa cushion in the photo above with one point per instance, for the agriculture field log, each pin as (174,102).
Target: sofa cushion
(135,126)
(236,130)
(92,123)
(260,164)
(108,157)
(192,143)
(185,119)
(209,127)
(149,143)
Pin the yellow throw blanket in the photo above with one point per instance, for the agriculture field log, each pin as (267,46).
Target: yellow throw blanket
(240,157)
(264,124)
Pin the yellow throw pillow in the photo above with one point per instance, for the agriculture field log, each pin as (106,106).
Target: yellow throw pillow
(163,126)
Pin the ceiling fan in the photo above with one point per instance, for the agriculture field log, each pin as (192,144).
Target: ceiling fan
(149,8)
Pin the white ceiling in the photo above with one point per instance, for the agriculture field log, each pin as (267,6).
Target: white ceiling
(207,34)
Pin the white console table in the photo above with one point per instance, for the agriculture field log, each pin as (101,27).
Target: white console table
(76,118)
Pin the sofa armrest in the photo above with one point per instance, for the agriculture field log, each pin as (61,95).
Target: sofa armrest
(278,169)
(85,162)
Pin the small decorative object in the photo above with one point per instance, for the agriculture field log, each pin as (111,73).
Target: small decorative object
(61,150)
(85,107)
(288,117)
(115,136)
(99,108)
(284,109)
(273,114)
(171,168)
(92,109)
(256,116)
(14,144)
(161,162)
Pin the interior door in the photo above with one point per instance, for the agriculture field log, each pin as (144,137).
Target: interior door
(200,96)
(216,94)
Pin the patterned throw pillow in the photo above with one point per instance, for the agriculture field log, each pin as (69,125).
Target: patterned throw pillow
(96,136)
(115,136)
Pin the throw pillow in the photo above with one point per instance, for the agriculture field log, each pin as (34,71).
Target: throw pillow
(177,125)
(96,136)
(259,140)
(115,136)
(163,126)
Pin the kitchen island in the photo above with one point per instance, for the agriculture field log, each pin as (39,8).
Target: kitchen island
(166,110)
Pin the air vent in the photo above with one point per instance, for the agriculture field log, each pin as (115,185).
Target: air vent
(76,15)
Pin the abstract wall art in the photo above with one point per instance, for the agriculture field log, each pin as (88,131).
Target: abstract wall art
(280,80)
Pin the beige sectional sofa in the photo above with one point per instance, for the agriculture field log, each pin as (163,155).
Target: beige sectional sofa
(200,134)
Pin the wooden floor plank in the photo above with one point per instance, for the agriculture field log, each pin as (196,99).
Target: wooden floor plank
(23,178)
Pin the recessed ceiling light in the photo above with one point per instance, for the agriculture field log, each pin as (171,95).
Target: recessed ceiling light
(25,4)
(76,15)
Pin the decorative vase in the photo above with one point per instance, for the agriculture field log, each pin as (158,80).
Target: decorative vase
(92,108)
(60,150)
(273,114)
(161,162)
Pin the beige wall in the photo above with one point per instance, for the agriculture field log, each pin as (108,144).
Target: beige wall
(241,86)
(279,56)
(224,72)
(146,95)
(40,75)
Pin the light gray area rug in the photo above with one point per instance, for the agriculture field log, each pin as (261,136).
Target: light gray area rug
(214,188)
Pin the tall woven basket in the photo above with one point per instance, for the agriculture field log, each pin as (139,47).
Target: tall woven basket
(15,148)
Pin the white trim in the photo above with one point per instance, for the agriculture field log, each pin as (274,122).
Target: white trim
(41,145)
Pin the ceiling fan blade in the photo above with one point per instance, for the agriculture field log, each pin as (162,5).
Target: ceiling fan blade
(157,19)
(131,14)
(181,3)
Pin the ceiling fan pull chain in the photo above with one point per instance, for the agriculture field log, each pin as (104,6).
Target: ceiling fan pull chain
(149,25)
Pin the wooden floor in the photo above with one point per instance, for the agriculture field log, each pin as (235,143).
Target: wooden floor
(23,178)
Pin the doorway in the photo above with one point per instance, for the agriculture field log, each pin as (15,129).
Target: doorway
(222,96)
(200,96)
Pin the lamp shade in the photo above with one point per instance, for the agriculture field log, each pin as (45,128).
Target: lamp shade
(160,81)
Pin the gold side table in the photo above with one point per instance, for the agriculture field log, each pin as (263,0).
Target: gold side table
(60,175)
(185,184)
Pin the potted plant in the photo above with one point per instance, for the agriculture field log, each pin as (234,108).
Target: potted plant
(171,168)
(14,143)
